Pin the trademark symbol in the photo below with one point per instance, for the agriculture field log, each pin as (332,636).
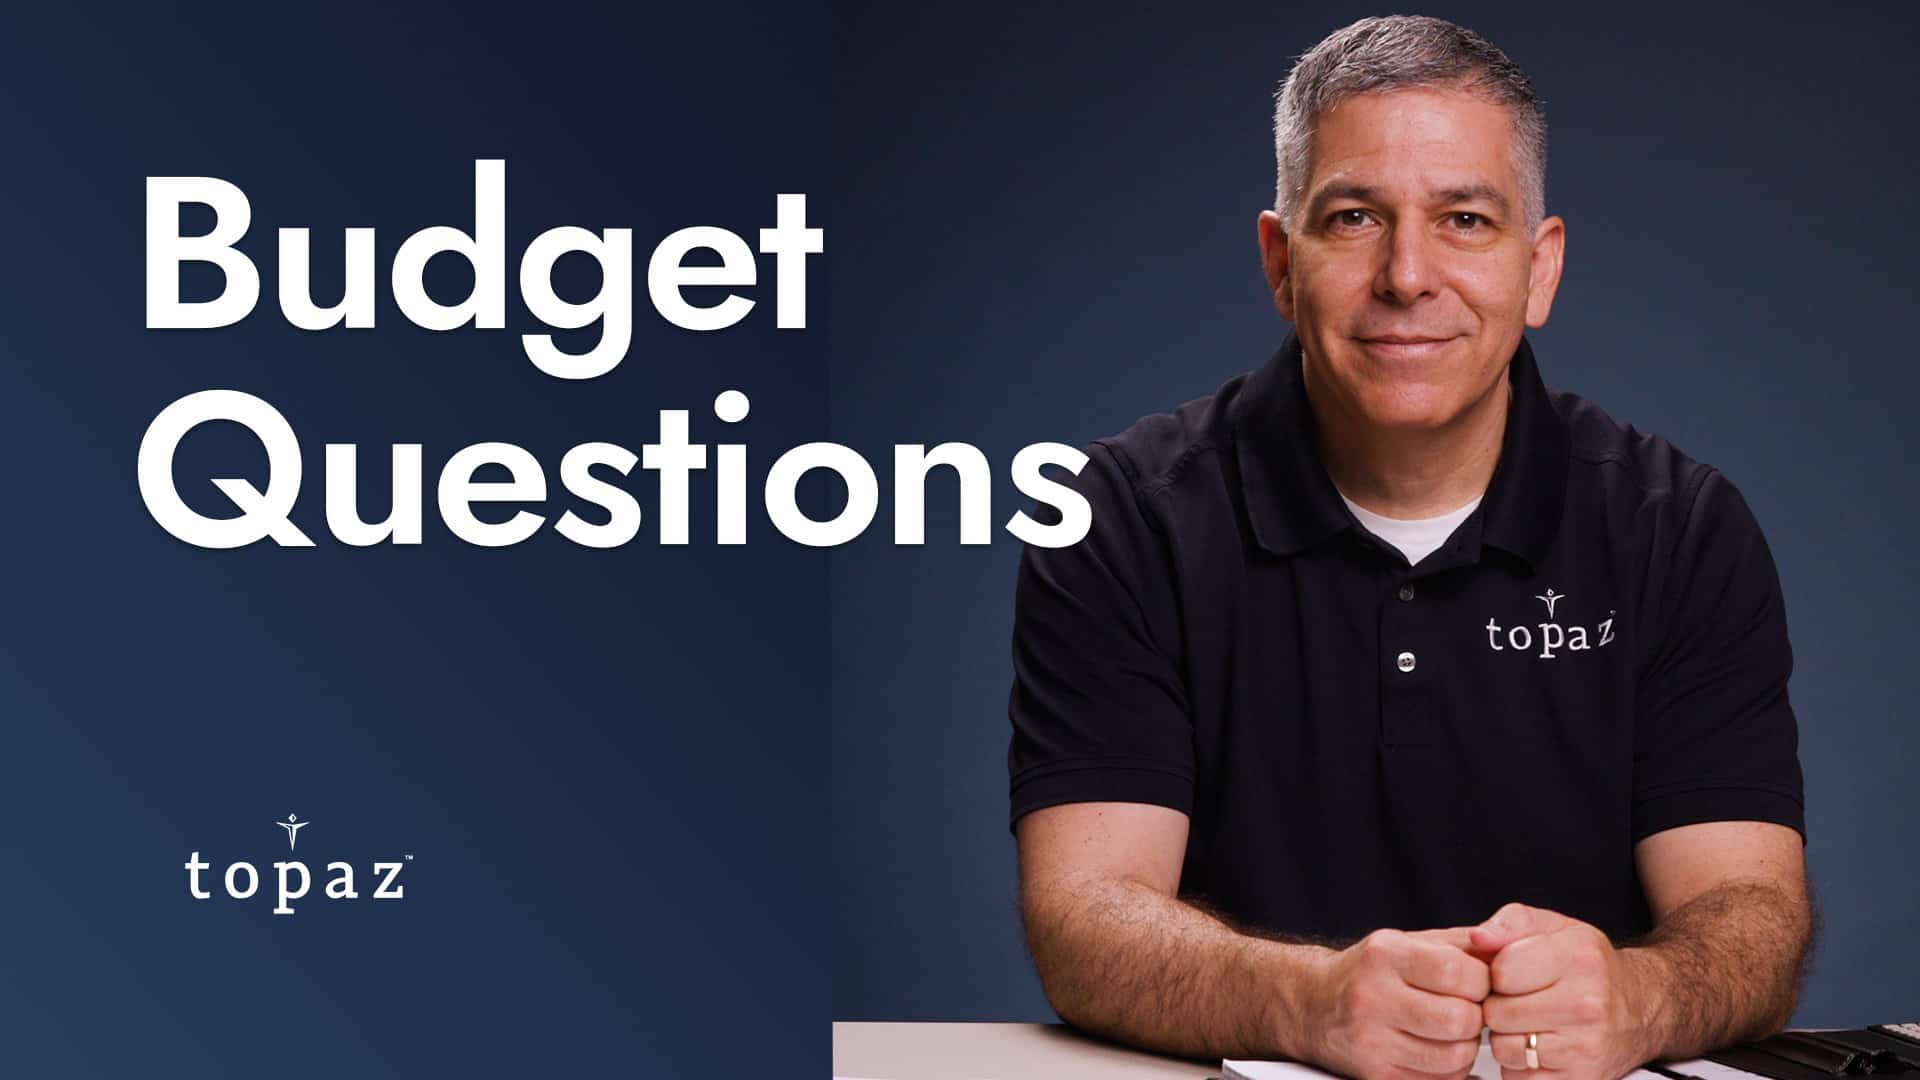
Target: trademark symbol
(409,858)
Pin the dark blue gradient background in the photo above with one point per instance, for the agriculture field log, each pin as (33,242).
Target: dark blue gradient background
(610,767)
(1045,228)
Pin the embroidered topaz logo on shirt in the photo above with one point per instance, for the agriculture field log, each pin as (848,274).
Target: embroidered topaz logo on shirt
(1550,635)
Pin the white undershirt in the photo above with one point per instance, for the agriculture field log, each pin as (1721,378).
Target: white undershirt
(1416,537)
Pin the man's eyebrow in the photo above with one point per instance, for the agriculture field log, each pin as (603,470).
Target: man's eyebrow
(1339,189)
(1480,191)
(1477,192)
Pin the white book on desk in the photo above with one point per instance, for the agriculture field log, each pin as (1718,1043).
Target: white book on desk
(1484,1068)
(1702,1069)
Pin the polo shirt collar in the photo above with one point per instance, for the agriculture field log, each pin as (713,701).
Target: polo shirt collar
(1293,504)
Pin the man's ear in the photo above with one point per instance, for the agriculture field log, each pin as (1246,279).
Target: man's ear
(1543,276)
(1273,256)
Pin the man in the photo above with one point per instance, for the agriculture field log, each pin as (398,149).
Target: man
(1392,696)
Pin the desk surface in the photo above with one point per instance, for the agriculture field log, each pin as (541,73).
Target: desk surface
(995,1052)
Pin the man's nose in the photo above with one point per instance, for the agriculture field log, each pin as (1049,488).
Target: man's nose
(1407,270)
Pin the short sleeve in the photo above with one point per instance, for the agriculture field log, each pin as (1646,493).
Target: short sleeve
(1098,705)
(1715,736)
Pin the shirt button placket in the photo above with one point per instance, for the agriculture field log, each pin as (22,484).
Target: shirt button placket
(1406,699)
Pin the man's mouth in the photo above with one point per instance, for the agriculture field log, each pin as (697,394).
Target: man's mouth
(1405,346)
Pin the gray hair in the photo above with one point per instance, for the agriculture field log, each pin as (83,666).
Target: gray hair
(1396,52)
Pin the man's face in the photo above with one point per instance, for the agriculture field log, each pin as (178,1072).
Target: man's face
(1412,228)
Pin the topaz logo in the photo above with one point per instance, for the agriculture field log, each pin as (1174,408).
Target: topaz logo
(1552,634)
(294,880)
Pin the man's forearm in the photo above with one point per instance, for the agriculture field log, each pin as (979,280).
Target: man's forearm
(1723,968)
(1120,959)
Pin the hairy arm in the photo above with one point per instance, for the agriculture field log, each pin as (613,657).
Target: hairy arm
(1120,955)
(1733,925)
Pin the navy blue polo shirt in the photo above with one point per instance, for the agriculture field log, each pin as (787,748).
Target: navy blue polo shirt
(1597,653)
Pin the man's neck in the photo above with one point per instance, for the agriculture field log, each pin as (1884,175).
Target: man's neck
(1405,474)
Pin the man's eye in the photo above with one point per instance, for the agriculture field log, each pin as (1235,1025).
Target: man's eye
(1466,221)
(1348,217)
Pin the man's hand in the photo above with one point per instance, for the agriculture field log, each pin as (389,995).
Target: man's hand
(1562,980)
(1400,1005)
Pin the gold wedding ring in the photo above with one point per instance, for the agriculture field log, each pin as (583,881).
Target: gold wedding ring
(1533,1050)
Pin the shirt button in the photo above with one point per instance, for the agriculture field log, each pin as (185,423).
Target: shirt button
(1406,592)
(1406,661)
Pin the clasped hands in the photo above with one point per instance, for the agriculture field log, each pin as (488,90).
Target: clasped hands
(1410,1005)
